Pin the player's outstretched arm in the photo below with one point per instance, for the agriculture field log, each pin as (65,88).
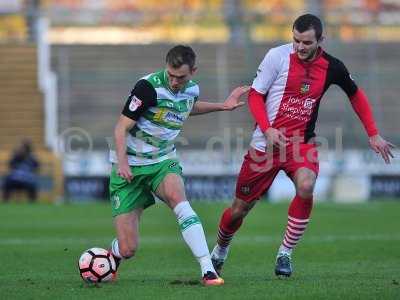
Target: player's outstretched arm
(231,103)
(124,124)
(382,147)
(362,107)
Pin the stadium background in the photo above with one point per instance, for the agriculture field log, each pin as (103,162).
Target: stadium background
(66,67)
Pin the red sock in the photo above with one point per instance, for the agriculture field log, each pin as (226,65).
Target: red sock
(300,208)
(298,218)
(227,228)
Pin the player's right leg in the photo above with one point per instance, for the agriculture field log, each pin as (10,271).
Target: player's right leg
(127,241)
(256,175)
(128,199)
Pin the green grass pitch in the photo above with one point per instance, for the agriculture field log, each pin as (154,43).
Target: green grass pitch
(348,252)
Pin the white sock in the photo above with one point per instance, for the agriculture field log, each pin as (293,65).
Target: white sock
(284,250)
(221,252)
(115,249)
(206,264)
(193,234)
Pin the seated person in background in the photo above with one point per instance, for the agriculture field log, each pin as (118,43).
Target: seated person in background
(23,172)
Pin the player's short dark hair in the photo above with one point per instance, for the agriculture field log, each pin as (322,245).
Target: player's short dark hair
(181,55)
(309,21)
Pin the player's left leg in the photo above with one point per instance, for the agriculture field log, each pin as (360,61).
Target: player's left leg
(304,175)
(256,175)
(230,222)
(171,190)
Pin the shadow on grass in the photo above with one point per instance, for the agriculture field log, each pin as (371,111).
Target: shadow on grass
(185,282)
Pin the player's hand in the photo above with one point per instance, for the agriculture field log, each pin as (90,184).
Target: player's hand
(124,171)
(382,147)
(275,138)
(233,101)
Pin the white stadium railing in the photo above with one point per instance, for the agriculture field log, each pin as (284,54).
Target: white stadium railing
(47,84)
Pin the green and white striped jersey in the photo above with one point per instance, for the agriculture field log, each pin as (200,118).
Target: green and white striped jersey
(159,115)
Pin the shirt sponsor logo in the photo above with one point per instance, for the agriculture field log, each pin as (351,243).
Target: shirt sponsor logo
(298,108)
(135,103)
(308,103)
(172,117)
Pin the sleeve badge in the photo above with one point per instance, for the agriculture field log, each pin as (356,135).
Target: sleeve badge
(135,103)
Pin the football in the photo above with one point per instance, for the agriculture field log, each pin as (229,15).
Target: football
(97,265)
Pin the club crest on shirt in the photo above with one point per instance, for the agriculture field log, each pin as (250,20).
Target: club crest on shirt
(135,103)
(305,88)
(190,103)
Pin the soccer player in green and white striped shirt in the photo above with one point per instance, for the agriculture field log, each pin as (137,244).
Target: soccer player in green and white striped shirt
(144,159)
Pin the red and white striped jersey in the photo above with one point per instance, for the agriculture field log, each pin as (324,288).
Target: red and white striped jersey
(294,89)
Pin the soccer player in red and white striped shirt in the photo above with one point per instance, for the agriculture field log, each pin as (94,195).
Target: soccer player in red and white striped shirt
(284,102)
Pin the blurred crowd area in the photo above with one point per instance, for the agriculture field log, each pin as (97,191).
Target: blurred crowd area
(146,21)
(99,48)
(94,51)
